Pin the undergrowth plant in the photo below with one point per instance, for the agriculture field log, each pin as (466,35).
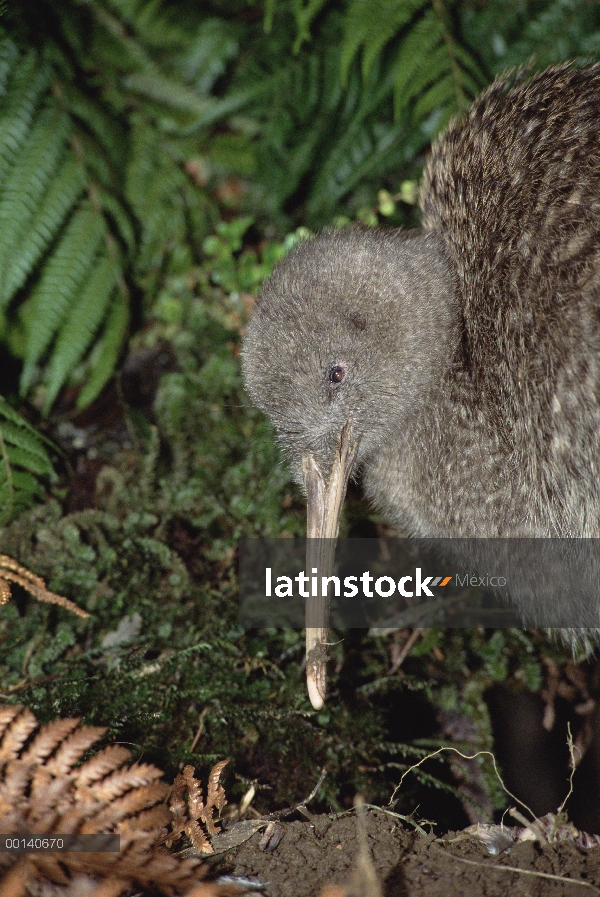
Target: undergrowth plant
(24,463)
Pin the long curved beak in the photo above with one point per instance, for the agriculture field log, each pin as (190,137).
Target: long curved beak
(324,506)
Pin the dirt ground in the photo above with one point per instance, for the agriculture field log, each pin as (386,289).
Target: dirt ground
(325,851)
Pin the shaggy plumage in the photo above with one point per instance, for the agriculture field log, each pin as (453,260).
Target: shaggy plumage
(466,355)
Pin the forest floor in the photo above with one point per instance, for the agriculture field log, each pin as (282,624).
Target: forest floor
(323,856)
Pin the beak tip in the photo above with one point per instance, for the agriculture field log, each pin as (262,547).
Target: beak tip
(315,692)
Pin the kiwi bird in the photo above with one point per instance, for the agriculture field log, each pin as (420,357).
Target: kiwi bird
(456,367)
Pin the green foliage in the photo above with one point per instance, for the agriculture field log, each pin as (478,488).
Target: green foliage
(87,201)
(55,242)
(23,462)
(506,35)
(429,64)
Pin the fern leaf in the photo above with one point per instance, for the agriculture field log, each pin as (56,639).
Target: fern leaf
(470,66)
(169,92)
(371,25)
(130,803)
(25,90)
(73,748)
(42,790)
(122,222)
(22,458)
(412,61)
(42,179)
(16,734)
(430,60)
(60,282)
(304,17)
(9,56)
(78,331)
(101,764)
(27,182)
(372,143)
(7,715)
(62,194)
(206,54)
(48,739)
(442,95)
(91,119)
(18,492)
(123,780)
(269,13)
(22,454)
(155,187)
(106,352)
(28,436)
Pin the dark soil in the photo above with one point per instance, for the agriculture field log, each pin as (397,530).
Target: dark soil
(325,851)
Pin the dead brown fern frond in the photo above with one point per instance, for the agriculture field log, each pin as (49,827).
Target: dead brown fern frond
(44,792)
(11,571)
(187,817)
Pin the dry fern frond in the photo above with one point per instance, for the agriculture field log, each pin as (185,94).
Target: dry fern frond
(43,792)
(11,571)
(186,818)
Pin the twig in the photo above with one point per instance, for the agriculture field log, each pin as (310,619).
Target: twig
(281,814)
(405,650)
(199,731)
(573,766)
(465,757)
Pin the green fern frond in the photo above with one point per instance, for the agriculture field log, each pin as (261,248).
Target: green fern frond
(441,96)
(51,242)
(61,194)
(304,15)
(431,65)
(371,24)
(79,328)
(9,55)
(169,92)
(427,55)
(206,55)
(507,34)
(106,352)
(412,62)
(26,87)
(62,278)
(21,456)
(122,224)
(172,212)
(269,15)
(20,434)
(26,186)
(23,462)
(90,117)
(373,144)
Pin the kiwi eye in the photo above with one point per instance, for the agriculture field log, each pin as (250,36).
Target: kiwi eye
(337,374)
